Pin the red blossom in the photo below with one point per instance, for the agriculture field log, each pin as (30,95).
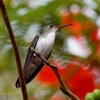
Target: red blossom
(82,82)
(47,76)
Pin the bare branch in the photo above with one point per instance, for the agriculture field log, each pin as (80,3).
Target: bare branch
(18,62)
(63,87)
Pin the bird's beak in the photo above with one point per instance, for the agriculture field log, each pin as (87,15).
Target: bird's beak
(59,27)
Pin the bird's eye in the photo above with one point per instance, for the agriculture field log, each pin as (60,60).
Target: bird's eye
(51,26)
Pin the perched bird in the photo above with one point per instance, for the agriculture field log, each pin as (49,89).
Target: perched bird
(42,44)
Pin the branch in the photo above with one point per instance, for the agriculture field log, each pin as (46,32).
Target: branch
(63,87)
(18,62)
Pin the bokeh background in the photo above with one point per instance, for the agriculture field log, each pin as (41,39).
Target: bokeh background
(76,51)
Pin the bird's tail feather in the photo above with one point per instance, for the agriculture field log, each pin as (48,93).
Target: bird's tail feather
(17,83)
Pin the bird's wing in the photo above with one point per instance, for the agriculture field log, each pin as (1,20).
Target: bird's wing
(28,58)
(31,67)
(30,53)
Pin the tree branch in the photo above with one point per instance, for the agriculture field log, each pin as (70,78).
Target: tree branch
(63,87)
(18,62)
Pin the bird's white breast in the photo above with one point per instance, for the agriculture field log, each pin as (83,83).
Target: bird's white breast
(45,44)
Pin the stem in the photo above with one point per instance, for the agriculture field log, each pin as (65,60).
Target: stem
(63,87)
(15,48)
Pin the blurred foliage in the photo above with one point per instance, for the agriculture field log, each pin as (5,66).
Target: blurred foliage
(27,17)
(95,95)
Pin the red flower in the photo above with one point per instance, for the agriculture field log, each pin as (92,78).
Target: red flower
(94,35)
(47,76)
(81,83)
(76,28)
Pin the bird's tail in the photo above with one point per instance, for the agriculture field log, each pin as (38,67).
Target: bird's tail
(17,84)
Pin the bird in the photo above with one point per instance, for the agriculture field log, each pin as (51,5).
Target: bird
(43,44)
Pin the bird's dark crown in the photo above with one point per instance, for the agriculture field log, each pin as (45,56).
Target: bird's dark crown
(47,29)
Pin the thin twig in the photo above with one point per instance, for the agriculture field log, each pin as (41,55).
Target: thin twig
(18,61)
(63,87)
